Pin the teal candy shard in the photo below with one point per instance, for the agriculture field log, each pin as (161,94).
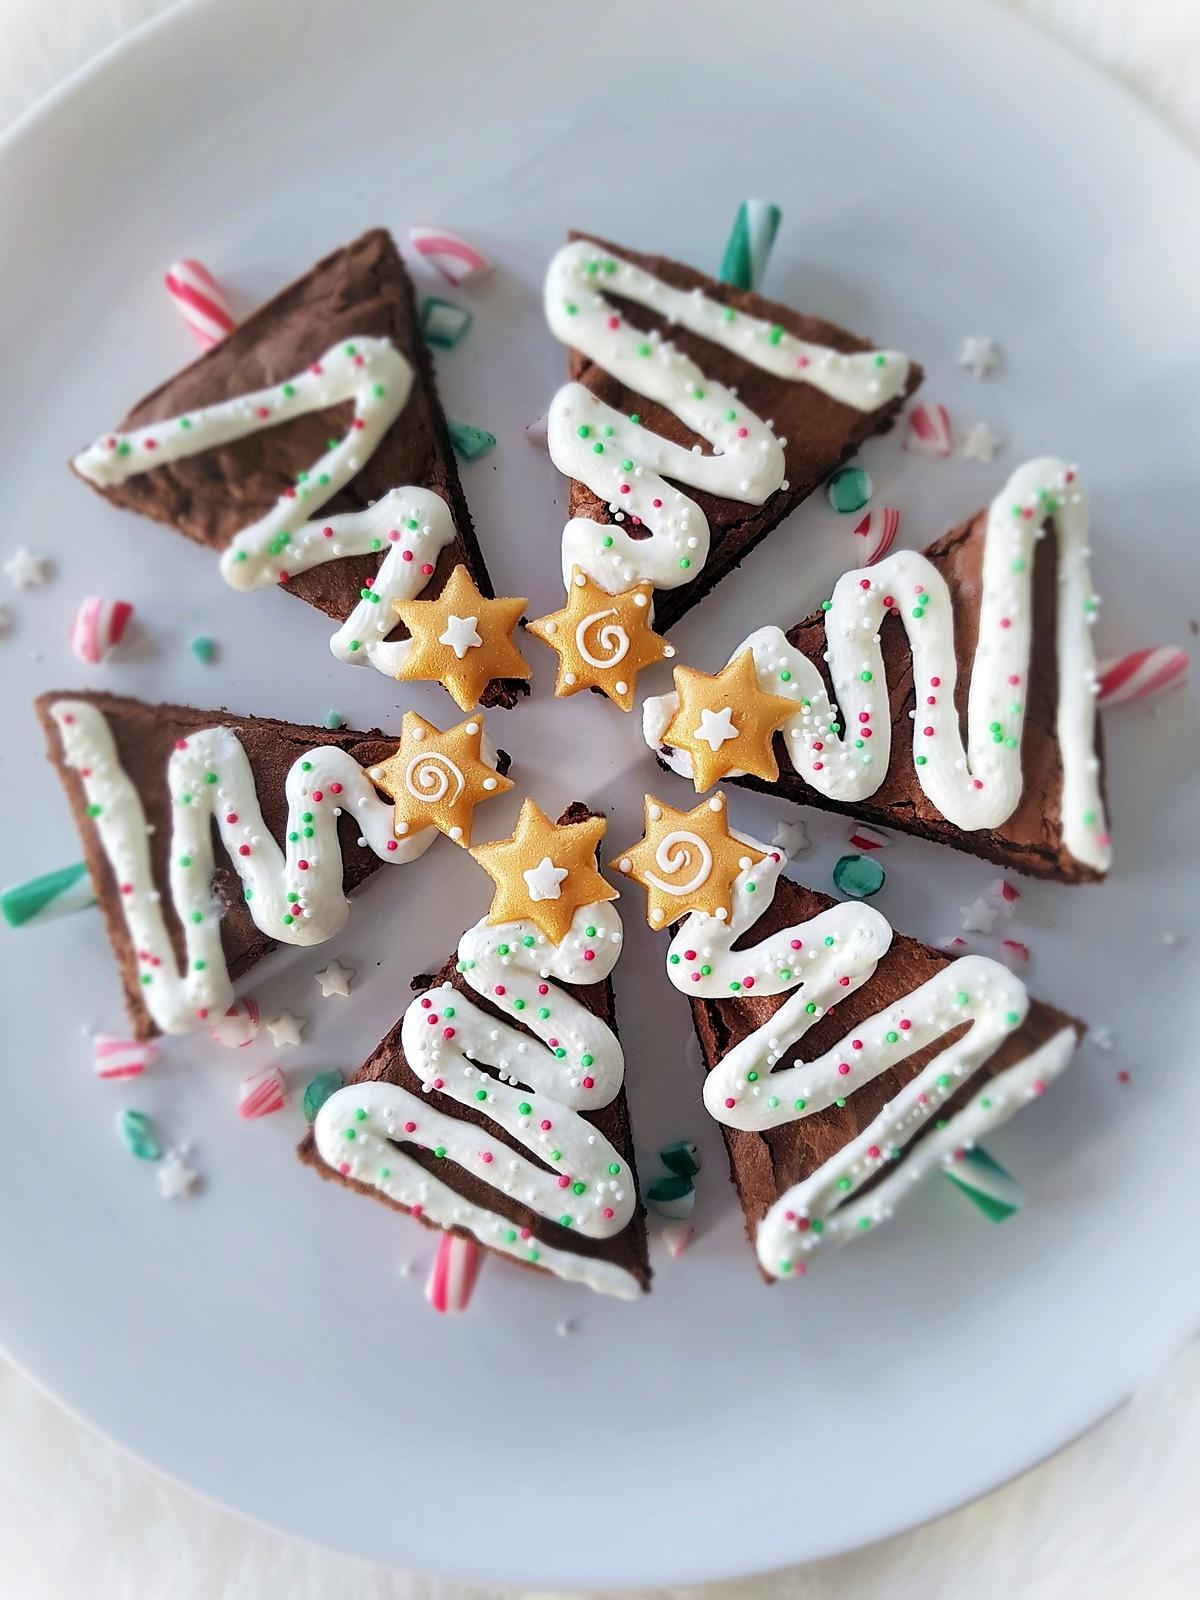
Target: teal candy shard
(443,323)
(138,1135)
(334,719)
(858,876)
(470,442)
(204,649)
(318,1091)
(671,1196)
(750,241)
(54,894)
(681,1158)
(849,489)
(985,1182)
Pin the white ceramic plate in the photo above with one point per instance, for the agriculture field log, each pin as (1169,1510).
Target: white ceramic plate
(943,171)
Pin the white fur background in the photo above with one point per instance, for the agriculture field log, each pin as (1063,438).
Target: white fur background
(1113,1516)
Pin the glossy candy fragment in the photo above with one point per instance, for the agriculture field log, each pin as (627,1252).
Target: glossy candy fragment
(671,1196)
(750,240)
(52,894)
(137,1134)
(443,323)
(317,1090)
(985,1182)
(849,489)
(682,1158)
(858,876)
(470,442)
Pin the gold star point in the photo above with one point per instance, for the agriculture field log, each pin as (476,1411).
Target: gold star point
(686,860)
(461,640)
(545,871)
(602,640)
(436,779)
(726,722)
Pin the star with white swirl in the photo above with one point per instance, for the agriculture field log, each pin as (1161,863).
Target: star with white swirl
(435,779)
(686,861)
(603,640)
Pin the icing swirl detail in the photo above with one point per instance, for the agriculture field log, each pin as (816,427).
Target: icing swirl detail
(676,852)
(294,895)
(433,778)
(817,963)
(535,1093)
(409,525)
(979,785)
(610,637)
(628,465)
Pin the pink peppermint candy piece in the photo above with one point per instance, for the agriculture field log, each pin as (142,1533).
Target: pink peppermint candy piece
(881,527)
(928,431)
(453,1274)
(455,258)
(98,627)
(261,1094)
(200,300)
(237,1027)
(1013,954)
(677,1236)
(1003,896)
(1140,674)
(114,1057)
(862,838)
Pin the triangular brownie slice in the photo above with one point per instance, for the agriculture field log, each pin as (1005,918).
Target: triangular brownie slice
(844,1062)
(359,291)
(820,431)
(134,869)
(498,1216)
(1017,625)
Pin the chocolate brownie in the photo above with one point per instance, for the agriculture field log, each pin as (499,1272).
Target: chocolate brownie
(359,290)
(764,1165)
(821,433)
(628,1249)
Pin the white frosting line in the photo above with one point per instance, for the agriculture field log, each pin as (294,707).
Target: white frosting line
(820,962)
(210,780)
(410,525)
(980,785)
(535,1094)
(626,464)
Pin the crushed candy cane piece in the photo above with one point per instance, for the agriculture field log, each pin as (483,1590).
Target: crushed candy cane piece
(261,1094)
(443,323)
(863,838)
(750,240)
(671,1196)
(98,628)
(1003,896)
(681,1157)
(200,301)
(470,442)
(114,1057)
(204,649)
(454,1273)
(138,1135)
(849,489)
(237,1027)
(317,1090)
(928,431)
(677,1236)
(985,1182)
(454,257)
(881,527)
(50,895)
(1140,674)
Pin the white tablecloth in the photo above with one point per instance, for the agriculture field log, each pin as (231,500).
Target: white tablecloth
(1113,1516)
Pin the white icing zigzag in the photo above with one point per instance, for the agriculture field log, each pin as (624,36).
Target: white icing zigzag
(294,895)
(410,524)
(579,1181)
(822,961)
(846,758)
(628,465)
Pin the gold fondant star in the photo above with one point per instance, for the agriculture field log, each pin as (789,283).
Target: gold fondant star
(436,779)
(545,871)
(686,860)
(461,640)
(603,640)
(726,723)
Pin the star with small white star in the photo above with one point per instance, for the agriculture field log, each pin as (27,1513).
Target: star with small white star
(543,880)
(335,980)
(715,728)
(462,634)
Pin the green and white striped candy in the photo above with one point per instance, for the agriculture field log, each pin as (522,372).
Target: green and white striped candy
(54,894)
(985,1182)
(745,258)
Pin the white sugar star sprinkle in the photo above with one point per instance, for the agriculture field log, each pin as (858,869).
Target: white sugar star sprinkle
(335,980)
(981,443)
(791,837)
(461,635)
(287,1029)
(25,569)
(543,880)
(979,355)
(716,728)
(175,1178)
(978,917)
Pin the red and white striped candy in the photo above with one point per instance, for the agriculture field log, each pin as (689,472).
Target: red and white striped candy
(114,1057)
(456,259)
(928,431)
(237,1027)
(862,838)
(1140,674)
(1011,952)
(1003,896)
(200,300)
(261,1094)
(1014,954)
(453,1274)
(882,526)
(98,627)
(677,1236)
